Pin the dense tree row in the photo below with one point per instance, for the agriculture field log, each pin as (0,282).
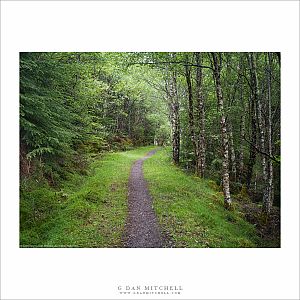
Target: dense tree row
(225,116)
(219,111)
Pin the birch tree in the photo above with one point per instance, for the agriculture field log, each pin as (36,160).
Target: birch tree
(200,158)
(217,66)
(268,193)
(174,115)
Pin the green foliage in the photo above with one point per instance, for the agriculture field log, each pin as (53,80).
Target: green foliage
(78,103)
(45,119)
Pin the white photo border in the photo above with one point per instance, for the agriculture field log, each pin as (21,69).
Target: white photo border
(149,26)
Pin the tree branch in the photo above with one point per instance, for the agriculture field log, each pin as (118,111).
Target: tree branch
(261,152)
(172,62)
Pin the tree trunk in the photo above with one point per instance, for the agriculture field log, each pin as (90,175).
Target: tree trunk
(191,112)
(200,159)
(252,150)
(240,171)
(261,129)
(217,62)
(232,152)
(268,195)
(253,117)
(175,124)
(260,122)
(241,151)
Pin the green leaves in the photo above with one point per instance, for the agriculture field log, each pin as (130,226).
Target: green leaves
(38,152)
(92,101)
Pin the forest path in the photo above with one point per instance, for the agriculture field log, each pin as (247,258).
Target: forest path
(142,230)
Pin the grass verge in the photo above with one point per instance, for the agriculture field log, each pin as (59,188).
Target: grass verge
(191,212)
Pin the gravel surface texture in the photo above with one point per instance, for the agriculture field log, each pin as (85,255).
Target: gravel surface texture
(142,230)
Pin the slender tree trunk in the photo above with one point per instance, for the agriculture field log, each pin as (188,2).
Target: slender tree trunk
(232,152)
(268,195)
(253,117)
(258,111)
(191,113)
(200,163)
(175,124)
(241,151)
(252,150)
(261,128)
(240,172)
(217,63)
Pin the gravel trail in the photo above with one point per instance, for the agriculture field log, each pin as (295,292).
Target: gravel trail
(142,230)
